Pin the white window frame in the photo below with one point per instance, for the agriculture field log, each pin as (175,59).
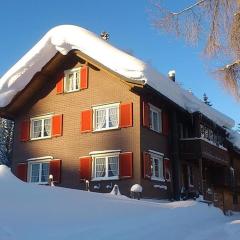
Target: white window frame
(106,156)
(160,158)
(42,118)
(154,109)
(38,161)
(106,107)
(66,77)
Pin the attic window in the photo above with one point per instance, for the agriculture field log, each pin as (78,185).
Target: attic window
(72,80)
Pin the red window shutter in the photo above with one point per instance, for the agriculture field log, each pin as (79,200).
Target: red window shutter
(85,168)
(166,168)
(55,170)
(146,115)
(84,77)
(126,165)
(22,171)
(126,115)
(86,121)
(57,122)
(147,165)
(165,121)
(25,130)
(60,84)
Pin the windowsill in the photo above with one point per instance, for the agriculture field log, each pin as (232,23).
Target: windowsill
(107,129)
(158,179)
(159,132)
(39,183)
(105,179)
(34,139)
(77,90)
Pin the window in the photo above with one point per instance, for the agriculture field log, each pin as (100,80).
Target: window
(106,167)
(39,172)
(72,80)
(41,127)
(157,166)
(155,119)
(190,176)
(106,117)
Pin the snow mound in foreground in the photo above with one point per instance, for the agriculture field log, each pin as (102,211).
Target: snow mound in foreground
(29,211)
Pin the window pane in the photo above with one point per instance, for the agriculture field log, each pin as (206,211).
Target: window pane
(113,117)
(202,131)
(37,128)
(155,121)
(35,172)
(72,81)
(47,123)
(100,118)
(112,166)
(76,80)
(45,172)
(156,167)
(100,166)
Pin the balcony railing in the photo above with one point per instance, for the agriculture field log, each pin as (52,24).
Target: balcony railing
(196,148)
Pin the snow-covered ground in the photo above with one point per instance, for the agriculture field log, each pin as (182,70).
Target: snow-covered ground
(30,211)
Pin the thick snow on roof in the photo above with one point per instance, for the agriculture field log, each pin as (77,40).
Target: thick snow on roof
(67,37)
(234,138)
(29,211)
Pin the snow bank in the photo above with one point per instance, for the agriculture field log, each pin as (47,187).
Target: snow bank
(29,211)
(136,188)
(67,37)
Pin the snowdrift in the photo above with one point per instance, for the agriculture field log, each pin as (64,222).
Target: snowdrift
(29,211)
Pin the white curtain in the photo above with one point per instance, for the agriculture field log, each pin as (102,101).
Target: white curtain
(100,118)
(70,82)
(47,127)
(37,128)
(75,81)
(100,167)
(112,166)
(113,117)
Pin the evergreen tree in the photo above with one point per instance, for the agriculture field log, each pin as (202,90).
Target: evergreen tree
(6,139)
(205,100)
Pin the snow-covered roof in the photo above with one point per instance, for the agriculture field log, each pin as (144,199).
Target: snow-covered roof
(65,38)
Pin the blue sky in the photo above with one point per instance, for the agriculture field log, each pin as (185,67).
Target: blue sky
(23,23)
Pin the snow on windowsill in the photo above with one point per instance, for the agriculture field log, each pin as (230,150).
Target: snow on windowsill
(160,186)
(158,179)
(104,179)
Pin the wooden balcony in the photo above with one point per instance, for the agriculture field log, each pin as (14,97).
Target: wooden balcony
(196,148)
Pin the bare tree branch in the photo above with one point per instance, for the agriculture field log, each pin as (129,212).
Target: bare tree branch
(216,21)
(189,7)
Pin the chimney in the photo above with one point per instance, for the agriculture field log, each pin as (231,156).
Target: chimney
(105,36)
(171,75)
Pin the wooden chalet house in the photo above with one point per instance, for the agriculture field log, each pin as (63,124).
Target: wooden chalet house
(84,110)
